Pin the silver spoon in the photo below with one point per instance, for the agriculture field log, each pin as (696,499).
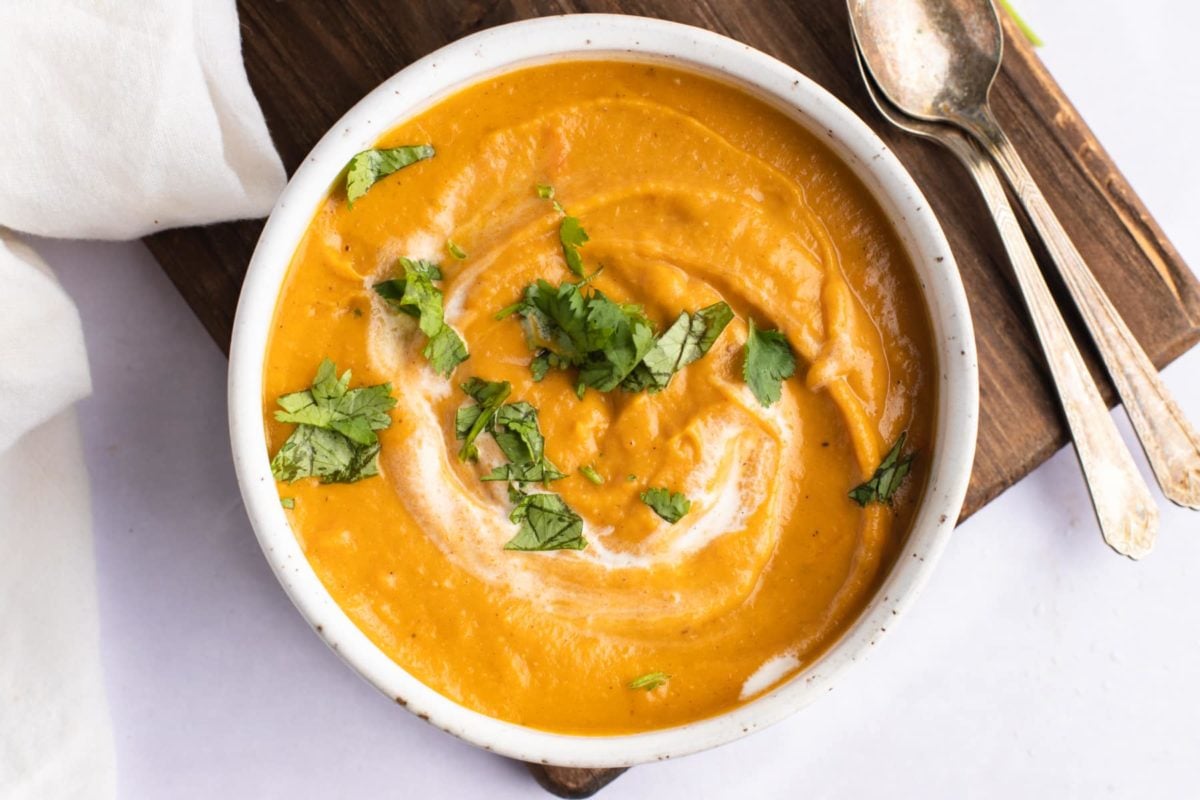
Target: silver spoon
(935,60)
(1126,511)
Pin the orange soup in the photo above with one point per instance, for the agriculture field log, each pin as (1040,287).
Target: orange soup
(661,512)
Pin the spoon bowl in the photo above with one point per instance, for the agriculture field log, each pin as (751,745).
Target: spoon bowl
(935,60)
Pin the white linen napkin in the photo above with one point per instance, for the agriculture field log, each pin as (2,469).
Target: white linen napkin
(122,117)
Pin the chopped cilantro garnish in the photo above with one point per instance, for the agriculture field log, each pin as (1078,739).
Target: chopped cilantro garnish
(287,502)
(335,438)
(669,505)
(455,250)
(546,192)
(650,681)
(547,523)
(590,473)
(572,236)
(769,361)
(470,421)
(887,478)
(610,344)
(515,429)
(369,166)
(688,338)
(570,327)
(1022,25)
(416,296)
(514,426)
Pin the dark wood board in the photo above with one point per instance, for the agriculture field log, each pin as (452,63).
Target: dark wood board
(309,61)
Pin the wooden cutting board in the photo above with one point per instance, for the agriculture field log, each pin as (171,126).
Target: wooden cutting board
(309,61)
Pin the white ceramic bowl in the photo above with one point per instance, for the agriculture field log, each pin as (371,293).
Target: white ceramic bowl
(590,37)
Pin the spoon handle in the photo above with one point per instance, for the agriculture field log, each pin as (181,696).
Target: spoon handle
(1171,444)
(1124,507)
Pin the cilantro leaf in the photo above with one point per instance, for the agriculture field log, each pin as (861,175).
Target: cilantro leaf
(570,327)
(470,421)
(589,472)
(369,166)
(619,338)
(287,502)
(514,426)
(445,351)
(540,472)
(312,452)
(416,296)
(546,192)
(572,236)
(540,365)
(887,478)
(515,429)
(547,523)
(669,505)
(555,319)
(688,339)
(331,404)
(354,413)
(335,438)
(611,344)
(650,681)
(455,250)
(769,361)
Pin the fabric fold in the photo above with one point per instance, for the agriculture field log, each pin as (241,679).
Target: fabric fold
(124,117)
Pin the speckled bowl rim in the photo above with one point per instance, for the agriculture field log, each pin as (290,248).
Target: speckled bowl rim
(582,37)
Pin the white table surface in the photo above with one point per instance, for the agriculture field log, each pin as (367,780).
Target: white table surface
(1036,662)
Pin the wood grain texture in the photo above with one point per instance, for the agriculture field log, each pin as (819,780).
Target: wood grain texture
(309,61)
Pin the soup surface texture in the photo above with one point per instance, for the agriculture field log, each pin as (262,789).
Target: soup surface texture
(691,192)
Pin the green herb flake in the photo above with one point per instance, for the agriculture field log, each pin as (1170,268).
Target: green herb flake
(287,502)
(887,478)
(455,250)
(335,439)
(515,428)
(540,365)
(769,362)
(571,326)
(546,523)
(470,421)
(572,236)
(1022,26)
(669,505)
(416,296)
(650,681)
(631,477)
(689,338)
(445,351)
(546,192)
(541,471)
(371,166)
(590,473)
